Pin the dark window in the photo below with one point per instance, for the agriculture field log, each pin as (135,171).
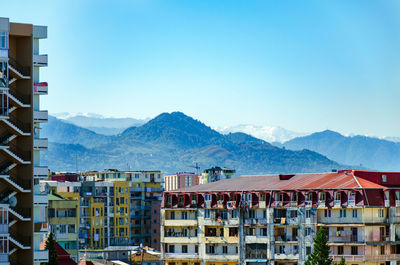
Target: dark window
(340,250)
(184,248)
(354,250)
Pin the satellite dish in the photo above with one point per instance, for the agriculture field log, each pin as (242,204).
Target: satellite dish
(12,201)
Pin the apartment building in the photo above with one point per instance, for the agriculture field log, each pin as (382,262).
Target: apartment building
(273,219)
(20,142)
(63,222)
(145,193)
(115,208)
(215,174)
(180,180)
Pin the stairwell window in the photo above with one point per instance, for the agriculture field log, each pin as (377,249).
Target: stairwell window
(3,40)
(3,74)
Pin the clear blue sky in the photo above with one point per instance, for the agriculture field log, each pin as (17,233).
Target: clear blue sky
(302,65)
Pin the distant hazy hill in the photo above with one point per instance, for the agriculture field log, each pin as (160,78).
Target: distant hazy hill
(370,152)
(100,124)
(172,142)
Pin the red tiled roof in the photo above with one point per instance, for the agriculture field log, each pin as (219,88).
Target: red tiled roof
(63,256)
(331,180)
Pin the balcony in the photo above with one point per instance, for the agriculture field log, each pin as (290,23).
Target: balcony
(221,239)
(382,258)
(41,144)
(40,88)
(257,239)
(347,257)
(180,222)
(41,172)
(286,239)
(41,116)
(41,256)
(260,221)
(292,256)
(40,60)
(180,240)
(39,199)
(221,257)
(181,256)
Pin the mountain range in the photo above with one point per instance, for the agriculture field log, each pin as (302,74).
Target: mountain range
(171,142)
(99,123)
(359,150)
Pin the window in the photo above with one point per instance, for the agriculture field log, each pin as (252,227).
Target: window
(172,215)
(184,216)
(308,196)
(308,231)
(381,213)
(382,250)
(252,214)
(262,197)
(210,249)
(196,249)
(225,249)
(340,250)
(342,213)
(293,213)
(234,214)
(211,231)
(337,196)
(384,178)
(354,213)
(264,214)
(264,231)
(308,213)
(3,40)
(308,250)
(233,231)
(321,196)
(279,197)
(207,213)
(184,248)
(208,197)
(354,250)
(171,249)
(293,196)
(3,74)
(327,212)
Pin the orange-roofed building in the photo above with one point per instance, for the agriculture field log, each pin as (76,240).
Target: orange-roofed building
(272,219)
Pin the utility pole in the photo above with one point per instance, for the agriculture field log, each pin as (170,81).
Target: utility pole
(242,249)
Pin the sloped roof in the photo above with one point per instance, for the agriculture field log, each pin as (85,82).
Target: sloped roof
(330,180)
(63,257)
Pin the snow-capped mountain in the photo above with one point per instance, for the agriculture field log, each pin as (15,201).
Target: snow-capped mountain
(267,133)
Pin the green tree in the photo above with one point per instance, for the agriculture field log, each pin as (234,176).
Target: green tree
(342,261)
(320,254)
(51,247)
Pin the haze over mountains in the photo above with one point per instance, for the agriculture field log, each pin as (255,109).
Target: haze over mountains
(174,142)
(171,142)
(365,151)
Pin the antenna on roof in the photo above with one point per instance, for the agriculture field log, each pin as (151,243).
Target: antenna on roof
(197,167)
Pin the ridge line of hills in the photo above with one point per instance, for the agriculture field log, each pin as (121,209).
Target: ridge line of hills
(172,142)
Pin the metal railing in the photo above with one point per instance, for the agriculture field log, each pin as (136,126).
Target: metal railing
(24,70)
(25,127)
(25,99)
(25,184)
(25,155)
